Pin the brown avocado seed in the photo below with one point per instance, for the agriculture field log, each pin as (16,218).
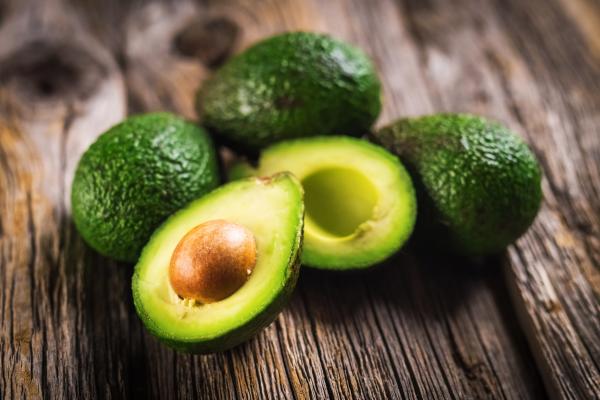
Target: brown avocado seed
(212,261)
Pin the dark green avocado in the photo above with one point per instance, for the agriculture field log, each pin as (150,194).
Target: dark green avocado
(478,184)
(134,176)
(289,86)
(272,210)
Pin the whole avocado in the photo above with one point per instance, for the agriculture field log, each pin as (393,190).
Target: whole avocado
(134,176)
(479,185)
(288,86)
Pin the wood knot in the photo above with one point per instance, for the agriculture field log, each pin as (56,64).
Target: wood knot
(211,41)
(41,71)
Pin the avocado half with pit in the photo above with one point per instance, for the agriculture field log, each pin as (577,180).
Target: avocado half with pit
(270,212)
(359,199)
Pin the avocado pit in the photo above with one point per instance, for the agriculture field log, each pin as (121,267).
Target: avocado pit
(212,261)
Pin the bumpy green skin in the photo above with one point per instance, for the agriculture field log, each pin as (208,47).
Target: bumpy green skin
(134,176)
(288,86)
(479,184)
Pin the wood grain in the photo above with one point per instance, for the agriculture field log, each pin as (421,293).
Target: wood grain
(555,270)
(60,89)
(421,326)
(509,72)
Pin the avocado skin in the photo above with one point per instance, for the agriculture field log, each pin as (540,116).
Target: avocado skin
(134,176)
(478,184)
(291,85)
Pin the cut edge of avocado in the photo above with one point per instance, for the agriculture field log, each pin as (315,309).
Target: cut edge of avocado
(218,326)
(360,201)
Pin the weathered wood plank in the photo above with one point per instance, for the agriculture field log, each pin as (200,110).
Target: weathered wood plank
(59,89)
(516,61)
(418,327)
(556,271)
(407,92)
(355,356)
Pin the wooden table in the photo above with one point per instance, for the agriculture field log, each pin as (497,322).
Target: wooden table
(524,324)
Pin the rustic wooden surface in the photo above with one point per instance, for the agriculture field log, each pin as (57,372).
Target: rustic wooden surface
(521,325)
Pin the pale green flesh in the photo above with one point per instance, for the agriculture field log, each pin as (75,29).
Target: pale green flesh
(338,212)
(360,202)
(271,211)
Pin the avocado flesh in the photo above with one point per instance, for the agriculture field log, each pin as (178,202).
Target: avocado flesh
(137,174)
(272,209)
(480,185)
(360,203)
(288,86)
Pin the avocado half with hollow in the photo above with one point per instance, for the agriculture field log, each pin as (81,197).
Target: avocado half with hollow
(270,210)
(359,199)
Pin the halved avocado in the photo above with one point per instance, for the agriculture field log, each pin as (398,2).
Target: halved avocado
(359,199)
(272,209)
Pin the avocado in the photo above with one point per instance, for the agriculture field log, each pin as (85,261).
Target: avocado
(359,199)
(134,176)
(288,86)
(479,185)
(272,210)
(240,169)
